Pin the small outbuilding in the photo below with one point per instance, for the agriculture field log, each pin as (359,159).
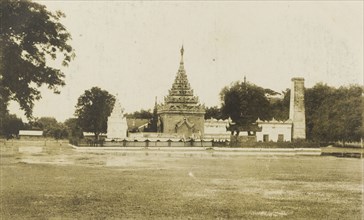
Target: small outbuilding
(274,131)
(28,134)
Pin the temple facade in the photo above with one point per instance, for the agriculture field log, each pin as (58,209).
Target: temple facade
(181,114)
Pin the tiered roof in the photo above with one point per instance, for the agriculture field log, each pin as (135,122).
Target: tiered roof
(180,97)
(117,111)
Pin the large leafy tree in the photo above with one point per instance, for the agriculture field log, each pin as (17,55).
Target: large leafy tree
(334,114)
(315,105)
(93,108)
(348,110)
(30,36)
(280,106)
(245,103)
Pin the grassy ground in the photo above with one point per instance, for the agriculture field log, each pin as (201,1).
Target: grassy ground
(56,182)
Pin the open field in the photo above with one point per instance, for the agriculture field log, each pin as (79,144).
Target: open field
(58,182)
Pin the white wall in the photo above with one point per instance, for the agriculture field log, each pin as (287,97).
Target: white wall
(213,126)
(273,130)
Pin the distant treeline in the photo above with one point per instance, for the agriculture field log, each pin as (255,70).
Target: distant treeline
(332,114)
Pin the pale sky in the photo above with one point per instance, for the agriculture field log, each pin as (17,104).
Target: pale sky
(132,48)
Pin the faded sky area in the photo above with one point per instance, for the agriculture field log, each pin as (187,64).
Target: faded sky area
(132,48)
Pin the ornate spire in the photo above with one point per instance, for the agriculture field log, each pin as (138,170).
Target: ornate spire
(181,65)
(182,51)
(180,97)
(117,110)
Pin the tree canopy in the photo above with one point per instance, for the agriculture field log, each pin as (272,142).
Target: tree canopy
(334,114)
(74,130)
(45,122)
(93,108)
(280,106)
(153,123)
(52,128)
(142,114)
(244,103)
(213,112)
(11,125)
(30,36)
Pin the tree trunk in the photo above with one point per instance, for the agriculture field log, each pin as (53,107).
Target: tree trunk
(97,136)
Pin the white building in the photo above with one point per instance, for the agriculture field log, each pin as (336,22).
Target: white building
(276,131)
(216,129)
(92,135)
(117,126)
(30,134)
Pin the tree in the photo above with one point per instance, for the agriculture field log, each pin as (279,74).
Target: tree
(58,131)
(93,108)
(142,114)
(12,125)
(245,103)
(213,112)
(314,107)
(74,130)
(334,114)
(45,122)
(50,127)
(153,123)
(30,36)
(348,109)
(280,107)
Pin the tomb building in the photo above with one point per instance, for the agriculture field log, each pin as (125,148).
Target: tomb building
(181,114)
(116,123)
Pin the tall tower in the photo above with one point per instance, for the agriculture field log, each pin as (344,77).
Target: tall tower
(181,114)
(297,109)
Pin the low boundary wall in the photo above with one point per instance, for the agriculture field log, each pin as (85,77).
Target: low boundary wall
(158,144)
(214,150)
